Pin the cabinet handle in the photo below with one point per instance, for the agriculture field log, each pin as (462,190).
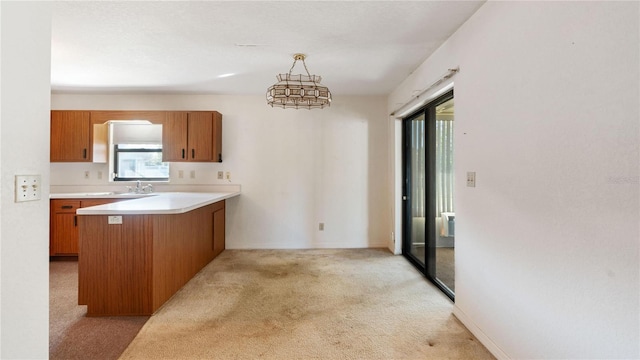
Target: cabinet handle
(193,153)
(67,206)
(84,153)
(183,153)
(75,220)
(219,157)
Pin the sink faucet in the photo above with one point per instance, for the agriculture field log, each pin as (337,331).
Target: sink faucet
(140,189)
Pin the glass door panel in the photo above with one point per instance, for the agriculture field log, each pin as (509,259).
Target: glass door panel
(416,186)
(444,183)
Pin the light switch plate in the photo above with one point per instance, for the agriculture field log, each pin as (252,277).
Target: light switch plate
(28,187)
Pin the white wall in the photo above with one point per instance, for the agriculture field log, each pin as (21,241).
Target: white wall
(297,168)
(547,114)
(24,149)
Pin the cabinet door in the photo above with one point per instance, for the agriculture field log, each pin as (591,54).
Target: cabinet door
(70,136)
(63,228)
(217,136)
(200,130)
(218,228)
(64,237)
(174,136)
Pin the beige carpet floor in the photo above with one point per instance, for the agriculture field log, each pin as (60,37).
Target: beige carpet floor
(310,304)
(72,335)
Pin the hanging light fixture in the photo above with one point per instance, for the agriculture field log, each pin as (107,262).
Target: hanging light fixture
(298,91)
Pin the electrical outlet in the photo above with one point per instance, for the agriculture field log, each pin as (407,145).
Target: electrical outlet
(220,175)
(87,174)
(111,220)
(192,174)
(471,179)
(180,174)
(99,175)
(229,175)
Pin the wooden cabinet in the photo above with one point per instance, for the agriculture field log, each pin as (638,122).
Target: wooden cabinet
(218,227)
(150,257)
(186,135)
(63,224)
(70,136)
(63,235)
(192,136)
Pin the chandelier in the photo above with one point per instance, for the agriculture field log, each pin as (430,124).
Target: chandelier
(298,91)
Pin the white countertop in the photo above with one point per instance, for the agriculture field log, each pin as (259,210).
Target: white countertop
(99,195)
(158,203)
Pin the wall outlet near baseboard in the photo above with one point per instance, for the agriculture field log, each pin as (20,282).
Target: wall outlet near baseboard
(471,179)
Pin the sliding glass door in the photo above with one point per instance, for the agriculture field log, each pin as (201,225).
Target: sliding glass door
(414,192)
(428,183)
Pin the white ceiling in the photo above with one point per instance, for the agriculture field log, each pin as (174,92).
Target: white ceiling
(358,47)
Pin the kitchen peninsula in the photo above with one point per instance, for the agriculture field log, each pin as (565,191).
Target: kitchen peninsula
(135,254)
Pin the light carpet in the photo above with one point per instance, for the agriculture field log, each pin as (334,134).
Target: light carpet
(306,304)
(72,335)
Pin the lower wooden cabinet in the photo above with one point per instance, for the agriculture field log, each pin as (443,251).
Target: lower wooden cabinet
(134,267)
(63,224)
(218,228)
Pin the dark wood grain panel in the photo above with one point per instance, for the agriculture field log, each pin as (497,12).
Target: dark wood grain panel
(115,265)
(200,131)
(70,136)
(64,206)
(135,267)
(217,136)
(181,248)
(174,136)
(218,228)
(64,240)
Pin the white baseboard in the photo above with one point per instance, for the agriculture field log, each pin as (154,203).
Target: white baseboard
(493,348)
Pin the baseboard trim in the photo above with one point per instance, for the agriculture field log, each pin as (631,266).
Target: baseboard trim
(493,348)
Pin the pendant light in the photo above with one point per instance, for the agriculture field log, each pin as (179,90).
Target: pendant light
(298,91)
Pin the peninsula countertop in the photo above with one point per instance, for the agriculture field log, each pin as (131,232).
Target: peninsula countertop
(158,203)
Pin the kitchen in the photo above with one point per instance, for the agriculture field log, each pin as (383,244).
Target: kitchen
(88,223)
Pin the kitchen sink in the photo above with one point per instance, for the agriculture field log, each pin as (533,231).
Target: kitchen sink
(131,194)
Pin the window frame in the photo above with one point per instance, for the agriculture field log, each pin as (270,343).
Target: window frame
(117,151)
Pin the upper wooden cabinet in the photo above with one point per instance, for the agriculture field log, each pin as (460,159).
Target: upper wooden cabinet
(186,135)
(70,136)
(192,136)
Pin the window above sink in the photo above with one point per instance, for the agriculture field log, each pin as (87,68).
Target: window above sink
(132,149)
(133,162)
